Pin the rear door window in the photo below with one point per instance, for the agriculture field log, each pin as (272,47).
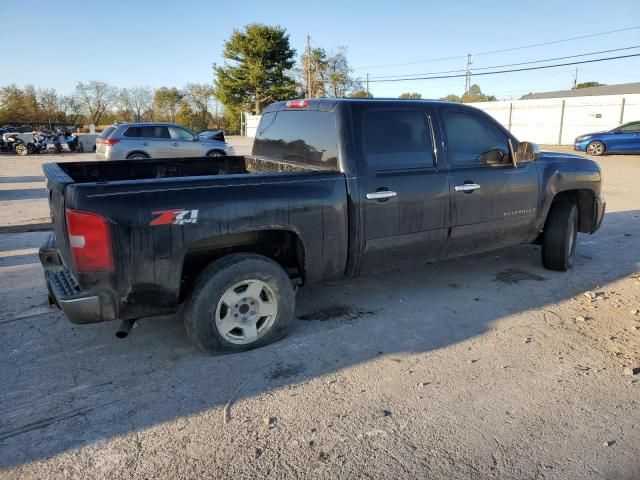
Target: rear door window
(304,137)
(148,131)
(397,139)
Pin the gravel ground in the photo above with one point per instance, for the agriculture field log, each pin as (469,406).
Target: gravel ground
(482,367)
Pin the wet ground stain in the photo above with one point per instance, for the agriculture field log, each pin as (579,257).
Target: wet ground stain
(284,371)
(335,312)
(513,276)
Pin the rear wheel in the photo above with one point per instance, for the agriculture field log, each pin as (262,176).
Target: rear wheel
(240,302)
(137,156)
(215,153)
(21,149)
(559,236)
(595,148)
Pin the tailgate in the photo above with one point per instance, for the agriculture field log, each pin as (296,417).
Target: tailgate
(57,181)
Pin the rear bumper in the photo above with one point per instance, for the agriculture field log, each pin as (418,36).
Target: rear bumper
(80,306)
(599,206)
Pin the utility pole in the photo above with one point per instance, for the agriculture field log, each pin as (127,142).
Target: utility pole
(309,93)
(467,83)
(367,83)
(575,80)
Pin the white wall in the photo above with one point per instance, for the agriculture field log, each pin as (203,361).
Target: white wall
(251,125)
(539,121)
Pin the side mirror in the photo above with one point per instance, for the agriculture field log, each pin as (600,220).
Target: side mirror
(527,152)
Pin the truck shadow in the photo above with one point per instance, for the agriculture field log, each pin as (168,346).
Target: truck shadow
(23,179)
(64,387)
(24,194)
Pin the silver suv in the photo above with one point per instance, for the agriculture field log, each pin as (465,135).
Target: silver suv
(155,140)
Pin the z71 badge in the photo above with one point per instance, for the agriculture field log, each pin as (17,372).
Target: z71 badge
(178,216)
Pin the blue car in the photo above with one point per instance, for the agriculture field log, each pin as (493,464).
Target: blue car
(622,139)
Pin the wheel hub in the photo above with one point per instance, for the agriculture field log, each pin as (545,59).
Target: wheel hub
(246,312)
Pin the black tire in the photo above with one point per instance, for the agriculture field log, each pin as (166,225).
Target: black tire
(203,303)
(559,236)
(596,148)
(137,156)
(215,153)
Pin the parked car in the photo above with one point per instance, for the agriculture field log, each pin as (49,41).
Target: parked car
(334,188)
(155,140)
(622,139)
(212,135)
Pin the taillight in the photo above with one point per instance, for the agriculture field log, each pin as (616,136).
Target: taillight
(90,241)
(297,103)
(108,141)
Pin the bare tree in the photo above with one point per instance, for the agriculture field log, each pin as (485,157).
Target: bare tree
(199,101)
(339,80)
(167,101)
(96,98)
(49,105)
(71,108)
(137,100)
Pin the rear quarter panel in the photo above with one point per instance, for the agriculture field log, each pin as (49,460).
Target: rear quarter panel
(149,258)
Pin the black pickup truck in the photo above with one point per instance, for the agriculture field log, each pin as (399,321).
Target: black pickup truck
(333,188)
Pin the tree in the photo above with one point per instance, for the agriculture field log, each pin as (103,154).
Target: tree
(312,72)
(451,98)
(590,84)
(361,94)
(95,97)
(31,108)
(411,96)
(198,99)
(475,95)
(71,108)
(257,60)
(339,82)
(166,101)
(137,100)
(49,104)
(11,103)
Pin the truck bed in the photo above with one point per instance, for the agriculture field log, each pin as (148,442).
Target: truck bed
(230,199)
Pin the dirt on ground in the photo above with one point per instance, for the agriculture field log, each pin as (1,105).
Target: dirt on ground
(480,367)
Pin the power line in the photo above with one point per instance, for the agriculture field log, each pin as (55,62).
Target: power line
(553,42)
(508,71)
(512,64)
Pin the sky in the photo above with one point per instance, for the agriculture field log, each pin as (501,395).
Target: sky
(170,43)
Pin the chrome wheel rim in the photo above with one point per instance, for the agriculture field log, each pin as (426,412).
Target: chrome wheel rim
(596,148)
(246,312)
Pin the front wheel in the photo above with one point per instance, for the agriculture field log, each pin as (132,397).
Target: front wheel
(215,153)
(559,236)
(240,302)
(595,148)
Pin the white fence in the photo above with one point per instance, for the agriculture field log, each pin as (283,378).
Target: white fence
(251,124)
(558,121)
(553,121)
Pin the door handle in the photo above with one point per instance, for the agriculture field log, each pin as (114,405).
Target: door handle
(467,187)
(381,195)
(175,144)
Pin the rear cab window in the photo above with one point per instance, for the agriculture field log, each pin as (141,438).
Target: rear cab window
(302,137)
